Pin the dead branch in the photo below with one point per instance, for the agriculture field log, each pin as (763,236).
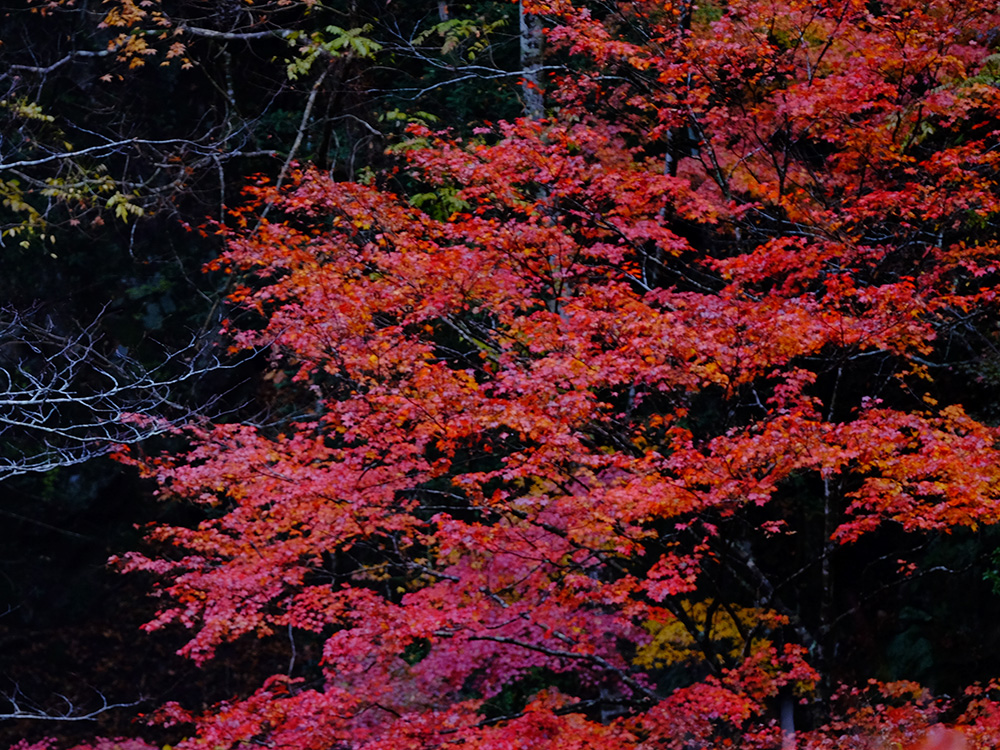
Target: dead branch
(66,398)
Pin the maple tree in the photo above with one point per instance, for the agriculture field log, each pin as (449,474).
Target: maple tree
(585,399)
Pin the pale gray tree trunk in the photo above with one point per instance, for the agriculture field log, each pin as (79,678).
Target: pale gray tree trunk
(788,741)
(531,64)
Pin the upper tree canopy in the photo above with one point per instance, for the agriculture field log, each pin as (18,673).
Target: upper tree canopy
(591,405)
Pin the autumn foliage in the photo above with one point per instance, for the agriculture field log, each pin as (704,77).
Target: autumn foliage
(588,407)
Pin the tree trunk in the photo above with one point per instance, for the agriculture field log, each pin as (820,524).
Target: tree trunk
(531,64)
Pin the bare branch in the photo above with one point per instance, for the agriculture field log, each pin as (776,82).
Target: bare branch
(22,708)
(103,149)
(44,70)
(303,125)
(65,399)
(237,36)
